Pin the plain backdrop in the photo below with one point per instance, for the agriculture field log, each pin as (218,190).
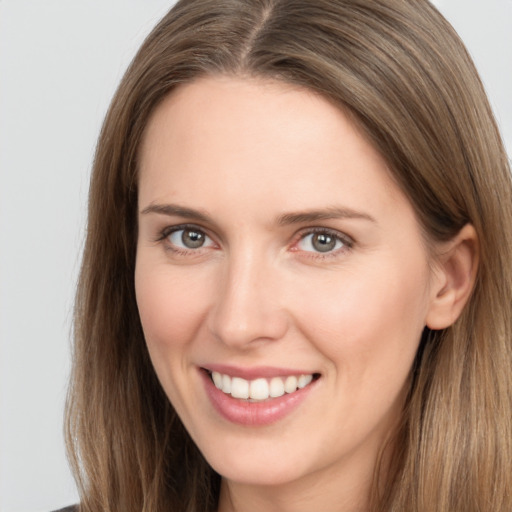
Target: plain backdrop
(60,61)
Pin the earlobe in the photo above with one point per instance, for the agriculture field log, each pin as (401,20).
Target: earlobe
(454,278)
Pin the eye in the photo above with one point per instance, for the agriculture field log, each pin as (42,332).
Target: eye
(321,242)
(188,238)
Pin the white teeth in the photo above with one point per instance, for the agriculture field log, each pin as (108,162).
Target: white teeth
(239,388)
(261,388)
(258,389)
(226,384)
(304,380)
(276,387)
(217,379)
(290,384)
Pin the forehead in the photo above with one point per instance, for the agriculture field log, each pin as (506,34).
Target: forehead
(249,141)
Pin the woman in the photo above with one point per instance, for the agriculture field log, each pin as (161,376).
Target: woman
(296,284)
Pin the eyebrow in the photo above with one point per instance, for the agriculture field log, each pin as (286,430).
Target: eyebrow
(323,214)
(180,211)
(283,220)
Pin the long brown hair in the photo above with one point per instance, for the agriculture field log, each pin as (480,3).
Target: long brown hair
(401,71)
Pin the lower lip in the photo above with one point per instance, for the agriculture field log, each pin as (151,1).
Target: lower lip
(254,414)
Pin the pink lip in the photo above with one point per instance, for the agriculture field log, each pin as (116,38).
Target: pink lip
(254,414)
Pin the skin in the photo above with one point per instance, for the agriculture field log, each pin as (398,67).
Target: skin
(245,153)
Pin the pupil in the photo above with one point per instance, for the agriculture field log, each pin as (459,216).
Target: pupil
(323,242)
(192,239)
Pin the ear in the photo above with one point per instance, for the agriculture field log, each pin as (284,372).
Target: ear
(454,278)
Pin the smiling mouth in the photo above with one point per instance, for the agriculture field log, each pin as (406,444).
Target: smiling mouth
(260,389)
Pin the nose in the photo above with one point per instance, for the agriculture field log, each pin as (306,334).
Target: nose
(248,308)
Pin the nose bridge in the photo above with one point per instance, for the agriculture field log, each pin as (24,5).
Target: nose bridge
(247,307)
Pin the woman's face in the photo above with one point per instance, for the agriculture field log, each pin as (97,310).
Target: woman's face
(277,257)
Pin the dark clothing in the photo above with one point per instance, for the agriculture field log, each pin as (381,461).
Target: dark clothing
(71,508)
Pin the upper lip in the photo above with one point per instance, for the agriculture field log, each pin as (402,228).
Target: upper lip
(254,372)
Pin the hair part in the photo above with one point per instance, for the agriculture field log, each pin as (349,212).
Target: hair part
(404,76)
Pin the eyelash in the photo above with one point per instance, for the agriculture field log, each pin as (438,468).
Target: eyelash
(346,241)
(168,231)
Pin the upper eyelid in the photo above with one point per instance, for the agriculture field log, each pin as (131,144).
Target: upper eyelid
(339,234)
(164,234)
(166,231)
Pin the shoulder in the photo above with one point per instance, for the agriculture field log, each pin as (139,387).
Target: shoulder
(71,508)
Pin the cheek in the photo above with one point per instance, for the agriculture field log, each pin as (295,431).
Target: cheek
(368,323)
(171,306)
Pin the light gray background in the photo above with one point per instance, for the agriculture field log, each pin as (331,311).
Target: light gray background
(60,61)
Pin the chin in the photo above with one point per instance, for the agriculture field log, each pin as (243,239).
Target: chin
(258,474)
(255,465)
